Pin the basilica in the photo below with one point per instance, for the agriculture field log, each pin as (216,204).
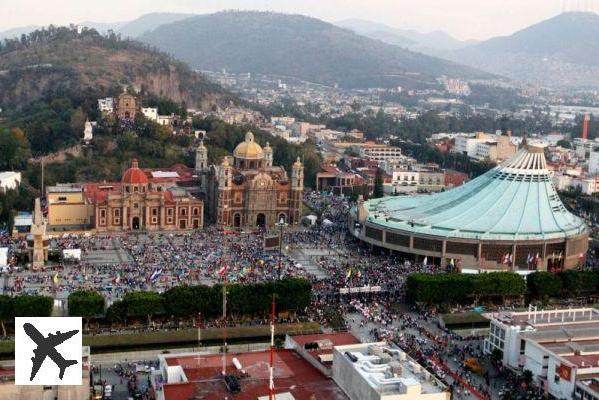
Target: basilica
(246,190)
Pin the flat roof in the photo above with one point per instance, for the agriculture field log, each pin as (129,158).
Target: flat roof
(406,370)
(291,374)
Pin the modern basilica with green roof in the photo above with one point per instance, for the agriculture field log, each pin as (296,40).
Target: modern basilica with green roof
(510,218)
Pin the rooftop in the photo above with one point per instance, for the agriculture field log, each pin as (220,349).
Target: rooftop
(293,374)
(513,201)
(389,371)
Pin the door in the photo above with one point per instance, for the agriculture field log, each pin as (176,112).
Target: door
(135,223)
(261,220)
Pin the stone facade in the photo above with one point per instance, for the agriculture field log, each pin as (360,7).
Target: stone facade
(126,106)
(247,191)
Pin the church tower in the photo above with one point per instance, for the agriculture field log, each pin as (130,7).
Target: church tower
(225,181)
(297,191)
(201,165)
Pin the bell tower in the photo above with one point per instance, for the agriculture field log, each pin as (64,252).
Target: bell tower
(201,165)
(225,181)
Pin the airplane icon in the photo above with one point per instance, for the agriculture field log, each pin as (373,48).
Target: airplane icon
(46,347)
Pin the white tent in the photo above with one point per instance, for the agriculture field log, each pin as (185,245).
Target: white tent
(328,222)
(72,254)
(3,256)
(310,219)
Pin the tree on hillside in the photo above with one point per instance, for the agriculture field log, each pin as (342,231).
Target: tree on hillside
(86,304)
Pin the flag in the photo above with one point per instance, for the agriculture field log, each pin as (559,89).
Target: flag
(222,270)
(156,274)
(451,262)
(510,259)
(505,258)
(348,274)
(55,278)
(118,278)
(529,258)
(425,261)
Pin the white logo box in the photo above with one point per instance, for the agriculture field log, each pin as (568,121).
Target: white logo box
(70,350)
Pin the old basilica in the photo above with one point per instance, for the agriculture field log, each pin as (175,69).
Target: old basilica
(247,190)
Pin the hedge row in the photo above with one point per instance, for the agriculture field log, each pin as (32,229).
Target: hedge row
(453,288)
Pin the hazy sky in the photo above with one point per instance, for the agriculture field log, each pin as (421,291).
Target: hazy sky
(465,19)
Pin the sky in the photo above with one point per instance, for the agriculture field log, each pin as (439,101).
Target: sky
(464,19)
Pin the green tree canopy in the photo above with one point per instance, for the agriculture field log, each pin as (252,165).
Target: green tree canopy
(33,306)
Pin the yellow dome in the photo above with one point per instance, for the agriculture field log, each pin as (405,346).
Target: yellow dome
(249,149)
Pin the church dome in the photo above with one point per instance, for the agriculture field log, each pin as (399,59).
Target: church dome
(134,175)
(249,149)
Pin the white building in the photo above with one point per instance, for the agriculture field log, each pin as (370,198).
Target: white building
(166,120)
(378,152)
(88,131)
(9,180)
(560,348)
(106,105)
(593,162)
(376,371)
(150,113)
(466,145)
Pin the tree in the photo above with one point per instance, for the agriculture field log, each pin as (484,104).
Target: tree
(87,304)
(379,191)
(564,143)
(179,301)
(7,311)
(33,306)
(143,304)
(542,285)
(117,312)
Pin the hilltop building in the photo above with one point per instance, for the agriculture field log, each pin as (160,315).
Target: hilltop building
(509,218)
(247,190)
(126,106)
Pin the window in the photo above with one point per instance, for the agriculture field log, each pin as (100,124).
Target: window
(169,212)
(183,211)
(117,212)
(154,212)
(117,221)
(196,211)
(135,188)
(135,205)
(102,213)
(169,220)
(154,220)
(62,198)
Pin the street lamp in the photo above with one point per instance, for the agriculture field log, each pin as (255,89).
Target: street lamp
(281,224)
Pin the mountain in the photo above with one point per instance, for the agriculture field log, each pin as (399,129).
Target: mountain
(56,60)
(298,46)
(561,51)
(433,43)
(17,32)
(148,22)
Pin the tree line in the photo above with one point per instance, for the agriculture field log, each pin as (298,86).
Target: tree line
(453,288)
(249,300)
(23,306)
(566,284)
